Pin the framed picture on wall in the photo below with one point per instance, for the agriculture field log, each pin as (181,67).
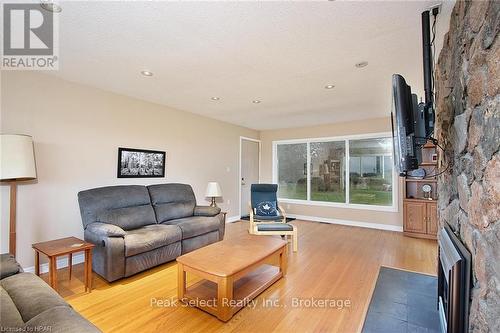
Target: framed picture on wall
(141,163)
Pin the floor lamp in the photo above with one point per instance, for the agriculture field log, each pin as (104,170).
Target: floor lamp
(17,163)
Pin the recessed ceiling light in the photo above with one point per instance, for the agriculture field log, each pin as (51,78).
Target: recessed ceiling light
(255,101)
(329,86)
(50,6)
(147,73)
(361,64)
(215,98)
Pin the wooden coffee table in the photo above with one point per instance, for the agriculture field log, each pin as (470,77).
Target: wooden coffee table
(61,247)
(235,271)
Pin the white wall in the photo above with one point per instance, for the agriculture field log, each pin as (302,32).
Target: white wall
(77,131)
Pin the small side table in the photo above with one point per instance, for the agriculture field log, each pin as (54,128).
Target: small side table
(61,247)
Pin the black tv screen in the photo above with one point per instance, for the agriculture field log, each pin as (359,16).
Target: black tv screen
(403,126)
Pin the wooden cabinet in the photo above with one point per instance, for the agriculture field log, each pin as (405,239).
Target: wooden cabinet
(419,204)
(415,213)
(420,218)
(432,221)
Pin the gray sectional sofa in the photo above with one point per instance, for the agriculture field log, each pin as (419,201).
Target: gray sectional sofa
(28,304)
(137,227)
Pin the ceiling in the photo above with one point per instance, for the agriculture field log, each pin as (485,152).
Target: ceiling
(281,53)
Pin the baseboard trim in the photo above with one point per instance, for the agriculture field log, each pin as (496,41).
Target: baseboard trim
(62,262)
(232,219)
(379,226)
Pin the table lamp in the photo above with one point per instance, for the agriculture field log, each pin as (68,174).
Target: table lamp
(213,191)
(17,163)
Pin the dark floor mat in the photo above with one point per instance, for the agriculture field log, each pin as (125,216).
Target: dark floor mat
(403,302)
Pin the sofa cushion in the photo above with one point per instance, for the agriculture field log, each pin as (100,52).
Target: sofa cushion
(10,317)
(8,265)
(30,294)
(172,201)
(146,260)
(60,319)
(150,237)
(193,243)
(96,202)
(275,227)
(196,225)
(206,211)
(128,218)
(267,218)
(106,229)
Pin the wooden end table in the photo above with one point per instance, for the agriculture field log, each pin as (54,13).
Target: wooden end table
(61,247)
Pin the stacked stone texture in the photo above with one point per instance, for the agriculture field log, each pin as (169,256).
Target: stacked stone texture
(468,127)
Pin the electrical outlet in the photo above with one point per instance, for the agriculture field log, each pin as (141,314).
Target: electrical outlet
(228,202)
(228,169)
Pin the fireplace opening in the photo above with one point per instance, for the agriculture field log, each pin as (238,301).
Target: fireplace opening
(454,265)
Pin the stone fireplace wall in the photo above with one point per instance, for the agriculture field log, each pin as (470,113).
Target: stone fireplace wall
(468,128)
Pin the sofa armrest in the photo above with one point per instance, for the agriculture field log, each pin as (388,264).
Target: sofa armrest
(108,255)
(8,265)
(206,211)
(106,229)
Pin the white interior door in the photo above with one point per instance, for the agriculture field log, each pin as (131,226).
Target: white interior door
(250,159)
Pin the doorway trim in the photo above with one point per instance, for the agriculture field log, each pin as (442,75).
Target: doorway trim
(239,172)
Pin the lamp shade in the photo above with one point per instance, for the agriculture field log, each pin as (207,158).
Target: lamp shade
(213,190)
(17,158)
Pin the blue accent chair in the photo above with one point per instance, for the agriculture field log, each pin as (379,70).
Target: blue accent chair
(267,217)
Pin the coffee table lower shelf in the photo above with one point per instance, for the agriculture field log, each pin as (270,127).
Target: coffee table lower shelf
(206,295)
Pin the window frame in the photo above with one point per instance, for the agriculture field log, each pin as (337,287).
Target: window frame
(381,135)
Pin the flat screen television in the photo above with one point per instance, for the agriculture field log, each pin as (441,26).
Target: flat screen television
(413,122)
(404,110)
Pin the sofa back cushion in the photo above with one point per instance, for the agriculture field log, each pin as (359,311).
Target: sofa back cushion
(129,218)
(11,318)
(172,201)
(31,295)
(127,206)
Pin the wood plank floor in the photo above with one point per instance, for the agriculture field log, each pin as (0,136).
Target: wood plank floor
(334,262)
